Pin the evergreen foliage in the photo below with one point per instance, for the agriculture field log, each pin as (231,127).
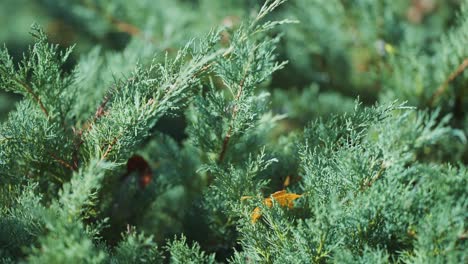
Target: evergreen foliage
(159,138)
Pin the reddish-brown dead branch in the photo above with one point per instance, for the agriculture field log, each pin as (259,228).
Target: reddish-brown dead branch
(100,111)
(126,27)
(227,138)
(35,96)
(62,162)
(109,148)
(225,145)
(443,87)
(120,25)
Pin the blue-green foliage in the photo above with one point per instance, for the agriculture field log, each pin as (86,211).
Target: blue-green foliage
(161,138)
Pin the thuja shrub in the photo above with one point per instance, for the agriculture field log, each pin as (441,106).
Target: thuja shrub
(301,132)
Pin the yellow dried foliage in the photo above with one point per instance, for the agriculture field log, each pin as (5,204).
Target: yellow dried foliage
(283,198)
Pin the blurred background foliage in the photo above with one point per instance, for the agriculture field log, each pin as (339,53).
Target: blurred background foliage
(340,50)
(412,51)
(377,50)
(384,50)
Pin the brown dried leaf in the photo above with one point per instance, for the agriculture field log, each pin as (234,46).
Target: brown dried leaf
(283,198)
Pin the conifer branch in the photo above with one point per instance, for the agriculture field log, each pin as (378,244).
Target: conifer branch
(78,133)
(101,109)
(208,66)
(225,145)
(78,142)
(34,95)
(110,146)
(377,176)
(62,162)
(234,114)
(443,87)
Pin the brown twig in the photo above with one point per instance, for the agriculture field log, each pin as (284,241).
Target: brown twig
(125,27)
(100,111)
(203,69)
(443,87)
(375,177)
(61,161)
(109,148)
(120,25)
(129,29)
(209,65)
(227,138)
(463,236)
(78,141)
(35,96)
(225,145)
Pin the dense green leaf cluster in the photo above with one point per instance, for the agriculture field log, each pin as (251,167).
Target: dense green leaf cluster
(159,138)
